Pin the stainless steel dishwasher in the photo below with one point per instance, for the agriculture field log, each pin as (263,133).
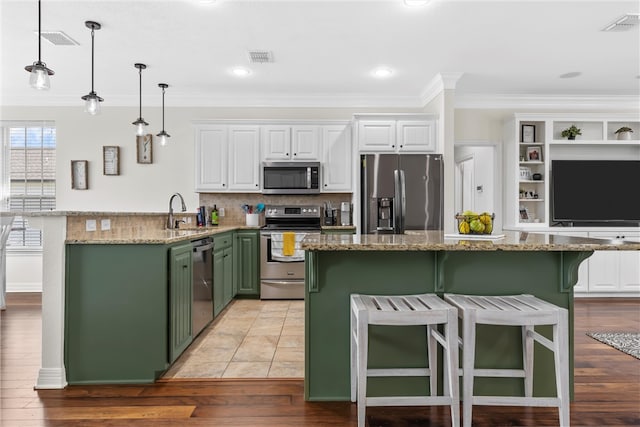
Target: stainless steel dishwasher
(202,309)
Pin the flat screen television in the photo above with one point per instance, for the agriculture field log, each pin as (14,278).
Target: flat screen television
(595,192)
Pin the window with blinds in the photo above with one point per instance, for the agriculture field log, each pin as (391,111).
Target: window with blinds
(32,185)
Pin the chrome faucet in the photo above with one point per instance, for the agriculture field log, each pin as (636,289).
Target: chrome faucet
(170,223)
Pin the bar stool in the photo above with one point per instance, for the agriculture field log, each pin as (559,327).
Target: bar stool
(405,310)
(518,310)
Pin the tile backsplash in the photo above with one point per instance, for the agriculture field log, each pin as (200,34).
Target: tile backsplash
(232,202)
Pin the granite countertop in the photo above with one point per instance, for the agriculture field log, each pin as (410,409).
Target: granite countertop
(338,227)
(436,241)
(156,236)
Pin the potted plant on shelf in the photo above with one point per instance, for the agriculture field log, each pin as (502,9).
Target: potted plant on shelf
(624,133)
(571,132)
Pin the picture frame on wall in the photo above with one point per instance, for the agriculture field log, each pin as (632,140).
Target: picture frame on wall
(79,174)
(528,133)
(111,160)
(144,149)
(534,154)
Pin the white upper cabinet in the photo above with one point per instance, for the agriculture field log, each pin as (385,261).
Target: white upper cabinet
(211,158)
(336,158)
(377,135)
(244,158)
(227,158)
(409,133)
(416,136)
(284,142)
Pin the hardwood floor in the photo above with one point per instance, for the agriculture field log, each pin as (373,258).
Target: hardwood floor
(607,388)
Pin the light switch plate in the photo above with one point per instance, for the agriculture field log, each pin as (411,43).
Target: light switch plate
(91,225)
(105,224)
(221,212)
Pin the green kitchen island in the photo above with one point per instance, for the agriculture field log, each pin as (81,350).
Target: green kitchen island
(541,264)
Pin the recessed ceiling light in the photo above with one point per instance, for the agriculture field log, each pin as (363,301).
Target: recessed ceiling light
(382,72)
(241,72)
(206,1)
(570,75)
(415,3)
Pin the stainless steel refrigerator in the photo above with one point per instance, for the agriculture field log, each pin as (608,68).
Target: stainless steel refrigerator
(401,192)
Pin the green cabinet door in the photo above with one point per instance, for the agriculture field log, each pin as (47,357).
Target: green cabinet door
(218,281)
(247,259)
(227,289)
(180,300)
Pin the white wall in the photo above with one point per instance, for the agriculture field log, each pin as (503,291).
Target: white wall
(143,188)
(483,175)
(24,272)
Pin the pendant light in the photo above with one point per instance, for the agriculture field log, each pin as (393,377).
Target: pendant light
(140,123)
(92,100)
(164,136)
(39,72)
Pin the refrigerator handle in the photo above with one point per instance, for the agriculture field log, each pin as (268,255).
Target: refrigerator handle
(403,202)
(397,202)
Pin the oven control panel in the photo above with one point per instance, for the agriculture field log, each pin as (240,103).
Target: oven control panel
(307,211)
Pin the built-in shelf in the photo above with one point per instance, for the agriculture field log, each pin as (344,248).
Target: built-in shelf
(532,143)
(532,181)
(531,162)
(532,200)
(595,142)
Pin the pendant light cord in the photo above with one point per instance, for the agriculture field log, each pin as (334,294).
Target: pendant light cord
(140,72)
(92,48)
(163,109)
(39,32)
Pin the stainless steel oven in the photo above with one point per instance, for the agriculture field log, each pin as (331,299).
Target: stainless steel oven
(282,277)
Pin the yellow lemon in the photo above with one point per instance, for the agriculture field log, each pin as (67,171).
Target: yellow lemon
(463,228)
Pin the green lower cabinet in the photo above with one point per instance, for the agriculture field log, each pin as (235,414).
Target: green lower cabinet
(247,259)
(222,271)
(180,300)
(116,313)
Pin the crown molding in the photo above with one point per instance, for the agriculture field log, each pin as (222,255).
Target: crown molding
(227,100)
(549,102)
(440,82)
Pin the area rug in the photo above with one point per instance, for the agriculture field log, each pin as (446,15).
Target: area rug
(626,342)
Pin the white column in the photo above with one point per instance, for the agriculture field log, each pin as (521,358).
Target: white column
(52,374)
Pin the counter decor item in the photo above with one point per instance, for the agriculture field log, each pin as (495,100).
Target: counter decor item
(624,133)
(571,132)
(534,154)
(473,223)
(528,133)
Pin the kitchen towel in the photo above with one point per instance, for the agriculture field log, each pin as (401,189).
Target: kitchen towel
(277,247)
(288,243)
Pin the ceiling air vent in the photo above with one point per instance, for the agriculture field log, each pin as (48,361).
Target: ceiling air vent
(58,38)
(624,23)
(260,56)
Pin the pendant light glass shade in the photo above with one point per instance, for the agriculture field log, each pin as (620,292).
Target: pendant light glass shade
(92,100)
(140,124)
(39,78)
(163,135)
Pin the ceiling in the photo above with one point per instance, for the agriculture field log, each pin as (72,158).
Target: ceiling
(323,51)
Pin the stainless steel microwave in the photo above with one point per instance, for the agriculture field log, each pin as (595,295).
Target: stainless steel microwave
(290,177)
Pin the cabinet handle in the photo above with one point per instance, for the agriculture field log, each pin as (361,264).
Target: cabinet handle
(401,146)
(224,185)
(286,154)
(256,185)
(325,185)
(184,266)
(393,146)
(295,154)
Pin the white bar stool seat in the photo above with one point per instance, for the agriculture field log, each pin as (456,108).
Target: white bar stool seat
(405,310)
(518,310)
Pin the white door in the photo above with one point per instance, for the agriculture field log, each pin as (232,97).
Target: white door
(276,141)
(305,142)
(466,175)
(244,158)
(336,159)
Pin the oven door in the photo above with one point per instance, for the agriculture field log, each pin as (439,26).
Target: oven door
(279,279)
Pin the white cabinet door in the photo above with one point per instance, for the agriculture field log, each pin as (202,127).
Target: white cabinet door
(583,271)
(416,136)
(211,158)
(276,142)
(336,158)
(615,271)
(305,143)
(377,135)
(244,158)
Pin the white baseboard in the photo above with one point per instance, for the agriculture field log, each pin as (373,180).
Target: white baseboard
(607,295)
(51,378)
(24,287)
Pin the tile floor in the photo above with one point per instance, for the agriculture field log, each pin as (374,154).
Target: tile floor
(250,339)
